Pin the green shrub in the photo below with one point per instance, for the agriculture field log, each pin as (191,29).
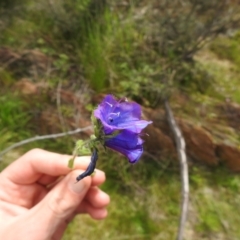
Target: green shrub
(227,48)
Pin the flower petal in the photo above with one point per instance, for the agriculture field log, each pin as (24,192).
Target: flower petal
(129,111)
(114,113)
(127,143)
(106,107)
(133,155)
(134,126)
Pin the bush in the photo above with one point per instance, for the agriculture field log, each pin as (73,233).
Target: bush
(174,31)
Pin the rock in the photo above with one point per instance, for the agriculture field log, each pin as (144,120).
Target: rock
(51,118)
(48,121)
(231,112)
(26,87)
(230,156)
(199,144)
(8,56)
(157,143)
(37,62)
(27,63)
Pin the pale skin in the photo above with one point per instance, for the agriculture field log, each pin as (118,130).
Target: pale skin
(39,196)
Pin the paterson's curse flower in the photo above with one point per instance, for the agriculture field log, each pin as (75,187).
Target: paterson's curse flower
(120,126)
(117,125)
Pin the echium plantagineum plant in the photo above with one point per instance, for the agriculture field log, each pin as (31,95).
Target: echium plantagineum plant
(118,126)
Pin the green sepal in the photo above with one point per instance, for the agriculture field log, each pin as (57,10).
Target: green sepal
(115,133)
(97,126)
(82,148)
(71,163)
(112,135)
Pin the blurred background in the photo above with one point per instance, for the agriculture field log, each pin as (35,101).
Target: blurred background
(59,58)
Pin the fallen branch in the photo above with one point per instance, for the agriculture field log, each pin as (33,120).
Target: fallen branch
(180,144)
(58,102)
(38,138)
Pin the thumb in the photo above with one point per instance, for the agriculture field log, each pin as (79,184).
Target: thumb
(61,202)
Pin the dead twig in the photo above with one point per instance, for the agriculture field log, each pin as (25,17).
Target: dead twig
(58,101)
(180,144)
(38,138)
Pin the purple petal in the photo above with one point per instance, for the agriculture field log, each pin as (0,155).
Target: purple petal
(130,111)
(127,143)
(125,139)
(133,155)
(108,104)
(113,113)
(105,107)
(134,126)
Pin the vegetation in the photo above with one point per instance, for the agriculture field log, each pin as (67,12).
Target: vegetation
(148,51)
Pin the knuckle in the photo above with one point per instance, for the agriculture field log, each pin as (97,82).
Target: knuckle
(59,206)
(34,151)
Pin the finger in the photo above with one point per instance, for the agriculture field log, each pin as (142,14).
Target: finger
(22,195)
(9,210)
(95,213)
(97,198)
(49,181)
(48,215)
(98,177)
(61,202)
(46,180)
(62,227)
(38,162)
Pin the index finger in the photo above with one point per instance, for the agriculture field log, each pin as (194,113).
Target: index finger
(37,162)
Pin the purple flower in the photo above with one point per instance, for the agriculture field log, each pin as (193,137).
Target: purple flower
(125,117)
(118,115)
(127,143)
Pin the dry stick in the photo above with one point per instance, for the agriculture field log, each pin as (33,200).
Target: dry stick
(180,142)
(37,138)
(58,101)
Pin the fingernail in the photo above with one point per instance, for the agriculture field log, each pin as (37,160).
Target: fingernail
(77,187)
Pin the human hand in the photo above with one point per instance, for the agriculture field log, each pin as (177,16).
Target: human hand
(39,196)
